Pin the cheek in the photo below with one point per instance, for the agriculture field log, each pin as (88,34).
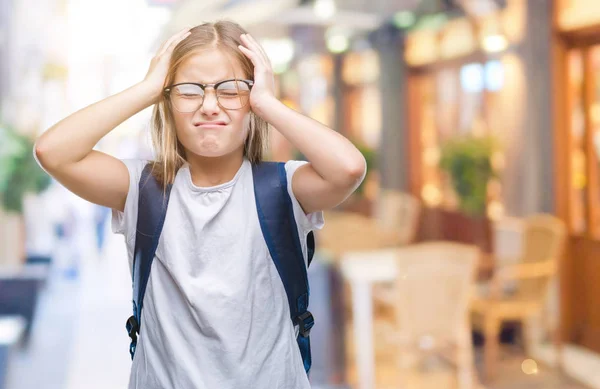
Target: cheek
(178,119)
(182,118)
(240,122)
(246,121)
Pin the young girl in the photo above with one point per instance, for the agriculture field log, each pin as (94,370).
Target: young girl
(215,310)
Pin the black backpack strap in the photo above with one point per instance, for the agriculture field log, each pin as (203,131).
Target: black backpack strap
(152,209)
(278,225)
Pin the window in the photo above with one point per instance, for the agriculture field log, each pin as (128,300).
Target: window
(584,137)
(455,101)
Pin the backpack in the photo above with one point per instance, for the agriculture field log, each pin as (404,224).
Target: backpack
(276,218)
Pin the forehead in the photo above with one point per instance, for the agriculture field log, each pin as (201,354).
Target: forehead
(208,66)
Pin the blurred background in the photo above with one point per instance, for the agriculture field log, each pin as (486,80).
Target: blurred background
(467,259)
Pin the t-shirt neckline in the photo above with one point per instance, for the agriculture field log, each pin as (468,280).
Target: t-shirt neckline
(215,188)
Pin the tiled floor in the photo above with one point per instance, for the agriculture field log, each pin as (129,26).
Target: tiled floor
(79,339)
(436,373)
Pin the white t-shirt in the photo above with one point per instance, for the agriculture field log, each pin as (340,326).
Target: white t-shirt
(215,310)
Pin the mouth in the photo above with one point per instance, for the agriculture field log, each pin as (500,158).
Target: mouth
(210,124)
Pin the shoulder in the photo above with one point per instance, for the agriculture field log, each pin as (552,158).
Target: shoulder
(307,221)
(124,222)
(135,168)
(292,165)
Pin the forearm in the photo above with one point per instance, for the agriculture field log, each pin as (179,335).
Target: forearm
(74,137)
(332,156)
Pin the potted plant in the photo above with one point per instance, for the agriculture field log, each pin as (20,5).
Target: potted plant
(357,202)
(19,175)
(371,160)
(467,161)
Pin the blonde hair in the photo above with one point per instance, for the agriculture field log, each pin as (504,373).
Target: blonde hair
(169,152)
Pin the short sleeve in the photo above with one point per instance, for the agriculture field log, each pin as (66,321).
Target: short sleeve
(308,222)
(124,223)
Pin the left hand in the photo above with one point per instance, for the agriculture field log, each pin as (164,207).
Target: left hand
(263,90)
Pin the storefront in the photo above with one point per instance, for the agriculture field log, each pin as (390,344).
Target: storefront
(577,182)
(466,78)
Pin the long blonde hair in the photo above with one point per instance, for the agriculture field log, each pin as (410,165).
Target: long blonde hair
(169,152)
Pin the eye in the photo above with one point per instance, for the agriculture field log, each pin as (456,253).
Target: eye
(233,88)
(188,90)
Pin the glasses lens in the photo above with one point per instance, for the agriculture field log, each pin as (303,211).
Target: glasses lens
(233,94)
(187,97)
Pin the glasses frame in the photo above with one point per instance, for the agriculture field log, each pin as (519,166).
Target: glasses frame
(167,91)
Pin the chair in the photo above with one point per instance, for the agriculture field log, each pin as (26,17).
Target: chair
(529,280)
(432,292)
(395,223)
(398,211)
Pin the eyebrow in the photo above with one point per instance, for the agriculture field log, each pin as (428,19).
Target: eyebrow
(219,80)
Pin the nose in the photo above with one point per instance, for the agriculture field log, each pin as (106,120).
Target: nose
(210,106)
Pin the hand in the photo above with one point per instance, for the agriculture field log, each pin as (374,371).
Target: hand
(159,66)
(263,90)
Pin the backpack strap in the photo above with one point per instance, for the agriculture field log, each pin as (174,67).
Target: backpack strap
(278,225)
(152,209)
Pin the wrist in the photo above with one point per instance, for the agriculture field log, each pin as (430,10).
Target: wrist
(149,90)
(262,106)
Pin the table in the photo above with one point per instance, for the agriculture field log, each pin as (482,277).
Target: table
(362,270)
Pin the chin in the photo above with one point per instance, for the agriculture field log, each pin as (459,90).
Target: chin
(214,150)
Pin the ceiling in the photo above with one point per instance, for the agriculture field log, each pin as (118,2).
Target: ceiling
(274,18)
(270,18)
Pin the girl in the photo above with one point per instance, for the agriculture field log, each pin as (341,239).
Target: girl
(215,311)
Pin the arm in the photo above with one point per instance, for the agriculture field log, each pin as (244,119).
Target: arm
(524,270)
(336,167)
(66,152)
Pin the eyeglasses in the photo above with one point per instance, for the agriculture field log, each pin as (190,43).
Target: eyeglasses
(189,97)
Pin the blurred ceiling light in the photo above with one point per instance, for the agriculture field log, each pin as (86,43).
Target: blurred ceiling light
(495,43)
(280,52)
(404,19)
(338,43)
(324,9)
(337,39)
(529,366)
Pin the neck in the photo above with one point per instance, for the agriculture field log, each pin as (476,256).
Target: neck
(212,171)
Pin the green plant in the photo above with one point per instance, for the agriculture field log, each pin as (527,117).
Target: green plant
(19,172)
(467,160)
(371,160)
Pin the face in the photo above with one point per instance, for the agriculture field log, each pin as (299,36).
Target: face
(211,131)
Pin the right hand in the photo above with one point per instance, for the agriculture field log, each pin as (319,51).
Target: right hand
(159,66)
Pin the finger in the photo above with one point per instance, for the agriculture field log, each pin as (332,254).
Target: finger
(173,38)
(169,49)
(249,53)
(250,44)
(257,57)
(258,47)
